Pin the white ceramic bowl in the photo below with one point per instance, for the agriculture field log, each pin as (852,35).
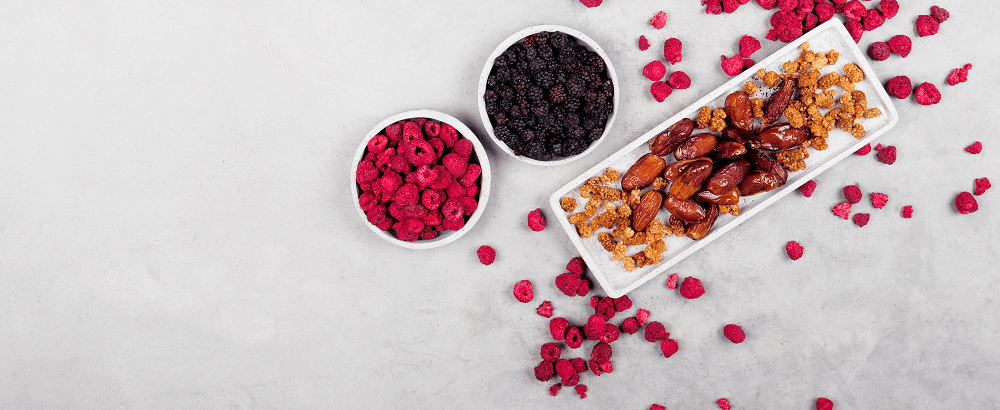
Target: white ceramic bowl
(484,185)
(519,36)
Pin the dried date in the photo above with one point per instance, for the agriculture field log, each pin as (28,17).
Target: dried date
(643,172)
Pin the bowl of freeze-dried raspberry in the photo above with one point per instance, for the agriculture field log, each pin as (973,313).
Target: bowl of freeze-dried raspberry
(548,95)
(420,179)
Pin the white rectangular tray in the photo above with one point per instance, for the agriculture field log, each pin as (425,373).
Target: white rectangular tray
(612,275)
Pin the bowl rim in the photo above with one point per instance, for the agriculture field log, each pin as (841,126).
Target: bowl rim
(484,186)
(519,36)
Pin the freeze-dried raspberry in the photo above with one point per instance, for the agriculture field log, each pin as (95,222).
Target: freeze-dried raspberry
(367,201)
(668,347)
(591,3)
(463,148)
(823,403)
(576,266)
(842,209)
(864,150)
(747,63)
(679,80)
(376,216)
(485,253)
(657,406)
(568,283)
(433,217)
(378,143)
(982,184)
(659,20)
(582,287)
(748,45)
(734,333)
(806,6)
(853,194)
(900,44)
(472,172)
(643,43)
(654,71)
(887,155)
(394,132)
(861,219)
(581,389)
(788,5)
(975,148)
(424,176)
(411,132)
(824,11)
(431,199)
(601,353)
(453,224)
(554,389)
(782,18)
(879,199)
(622,304)
(873,20)
(899,86)
(692,288)
(939,14)
(550,352)
(907,211)
(390,182)
(574,337)
(965,203)
(545,309)
(712,6)
(448,134)
(407,194)
(536,221)
(723,404)
(593,301)
(927,26)
(889,8)
(606,367)
(672,50)
(594,367)
(794,250)
(606,309)
(732,65)
(660,90)
(455,164)
(807,188)
(630,326)
(557,327)
(655,331)
(578,364)
(366,172)
(611,333)
(855,29)
(641,316)
(854,10)
(523,291)
(730,6)
(879,51)
(810,22)
(564,368)
(927,94)
(953,77)
(544,371)
(408,229)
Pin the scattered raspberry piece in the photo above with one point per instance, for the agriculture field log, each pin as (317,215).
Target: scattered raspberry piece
(601,353)
(578,364)
(679,80)
(550,352)
(557,327)
(606,367)
(878,147)
(889,8)
(622,304)
(953,77)
(576,266)
(660,90)
(861,219)
(855,29)
(864,150)
(982,184)
(939,14)
(692,288)
(565,369)
(873,20)
(887,155)
(544,371)
(581,389)
(900,44)
(734,333)
(668,347)
(787,5)
(853,194)
(554,389)
(927,94)
(655,331)
(824,404)
(723,404)
(975,148)
(730,6)
(842,209)
(594,300)
(748,45)
(574,337)
(879,51)
(672,50)
(712,6)
(605,309)
(594,367)
(732,65)
(794,250)
(641,316)
(523,291)
(767,4)
(747,63)
(654,71)
(965,203)
(899,86)
(611,333)
(630,326)
(591,3)
(643,43)
(879,199)
(672,281)
(927,26)
(486,255)
(807,188)
(536,221)
(545,309)
(568,283)
(582,287)
(657,406)
(659,20)
(907,211)
(854,10)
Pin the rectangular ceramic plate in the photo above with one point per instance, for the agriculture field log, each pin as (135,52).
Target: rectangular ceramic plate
(612,275)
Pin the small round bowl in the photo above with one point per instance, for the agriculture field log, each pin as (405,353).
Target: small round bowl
(446,237)
(519,36)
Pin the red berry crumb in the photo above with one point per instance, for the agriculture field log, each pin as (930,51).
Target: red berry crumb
(668,347)
(659,20)
(927,94)
(679,80)
(939,14)
(581,389)
(887,155)
(579,365)
(692,288)
(557,327)
(630,326)
(794,250)
(654,71)
(855,29)
(900,44)
(734,333)
(879,199)
(641,316)
(576,266)
(536,221)
(655,332)
(864,150)
(927,25)
(748,45)
(807,188)
(982,184)
(965,203)
(853,194)
(975,148)
(732,65)
(486,255)
(545,309)
(723,404)
(554,389)
(861,219)
(550,352)
(643,43)
(899,87)
(842,209)
(622,304)
(591,3)
(879,51)
(672,281)
(544,371)
(523,291)
(907,211)
(878,147)
(672,50)
(824,404)
(660,90)
(657,407)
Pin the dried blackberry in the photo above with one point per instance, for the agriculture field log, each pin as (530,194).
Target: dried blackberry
(547,53)
(530,54)
(541,109)
(522,67)
(572,104)
(572,120)
(491,81)
(559,39)
(520,84)
(535,93)
(541,38)
(593,97)
(490,96)
(576,86)
(557,94)
(545,79)
(595,61)
(500,118)
(537,65)
(503,134)
(595,134)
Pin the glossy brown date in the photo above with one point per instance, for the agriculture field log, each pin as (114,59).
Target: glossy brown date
(736,134)
(779,137)
(646,210)
(737,107)
(687,210)
(730,196)
(698,145)
(643,172)
(700,229)
(758,181)
(671,138)
(727,176)
(729,149)
(764,162)
(691,179)
(779,101)
(674,171)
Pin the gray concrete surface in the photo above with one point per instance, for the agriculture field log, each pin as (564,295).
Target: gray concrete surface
(176,229)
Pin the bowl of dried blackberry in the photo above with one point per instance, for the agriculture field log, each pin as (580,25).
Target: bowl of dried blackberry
(548,95)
